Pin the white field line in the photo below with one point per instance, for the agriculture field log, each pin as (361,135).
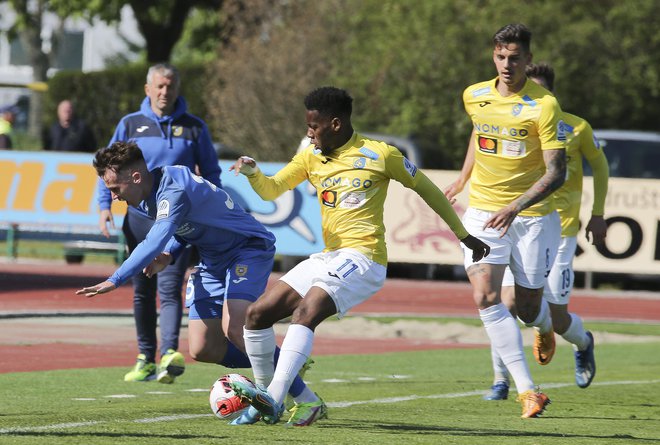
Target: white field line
(387,400)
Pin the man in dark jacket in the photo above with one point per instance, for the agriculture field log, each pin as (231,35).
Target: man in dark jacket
(69,133)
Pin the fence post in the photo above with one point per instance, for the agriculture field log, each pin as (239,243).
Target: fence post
(12,241)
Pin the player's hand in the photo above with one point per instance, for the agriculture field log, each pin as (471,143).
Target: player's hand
(159,263)
(452,190)
(598,229)
(105,219)
(245,165)
(478,247)
(100,288)
(501,220)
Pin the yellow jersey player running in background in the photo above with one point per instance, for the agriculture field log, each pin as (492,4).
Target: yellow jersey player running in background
(519,160)
(351,175)
(580,145)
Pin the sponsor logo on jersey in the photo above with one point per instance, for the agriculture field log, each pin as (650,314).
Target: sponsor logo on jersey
(513,148)
(163,209)
(329,198)
(561,131)
(410,167)
(481,92)
(353,200)
(369,153)
(142,128)
(597,143)
(487,145)
(566,127)
(502,131)
(517,108)
(347,182)
(177,130)
(359,163)
(185,229)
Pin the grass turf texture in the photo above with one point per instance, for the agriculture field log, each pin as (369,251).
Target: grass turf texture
(36,407)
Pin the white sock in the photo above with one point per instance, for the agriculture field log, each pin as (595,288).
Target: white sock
(543,321)
(296,349)
(307,396)
(505,336)
(260,347)
(500,374)
(576,334)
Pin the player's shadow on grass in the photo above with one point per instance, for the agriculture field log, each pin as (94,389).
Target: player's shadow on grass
(136,436)
(401,428)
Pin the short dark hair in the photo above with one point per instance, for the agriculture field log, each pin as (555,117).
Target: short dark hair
(542,71)
(330,101)
(514,33)
(117,157)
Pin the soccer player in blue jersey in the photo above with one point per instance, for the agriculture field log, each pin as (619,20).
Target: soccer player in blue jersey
(167,135)
(236,251)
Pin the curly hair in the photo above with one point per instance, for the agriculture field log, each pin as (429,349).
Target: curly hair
(330,101)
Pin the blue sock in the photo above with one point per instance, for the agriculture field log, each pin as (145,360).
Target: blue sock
(235,358)
(298,385)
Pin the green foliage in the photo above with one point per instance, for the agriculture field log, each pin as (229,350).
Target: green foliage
(103,98)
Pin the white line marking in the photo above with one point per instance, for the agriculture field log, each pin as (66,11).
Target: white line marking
(62,426)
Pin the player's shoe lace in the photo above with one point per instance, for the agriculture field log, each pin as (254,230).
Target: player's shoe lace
(533,403)
(172,364)
(544,347)
(142,371)
(259,398)
(499,391)
(304,414)
(585,364)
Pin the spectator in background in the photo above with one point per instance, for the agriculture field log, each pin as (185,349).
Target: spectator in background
(7,117)
(69,133)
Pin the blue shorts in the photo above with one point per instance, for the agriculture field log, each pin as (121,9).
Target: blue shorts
(243,277)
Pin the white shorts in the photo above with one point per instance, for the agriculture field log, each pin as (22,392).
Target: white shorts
(346,275)
(559,285)
(529,246)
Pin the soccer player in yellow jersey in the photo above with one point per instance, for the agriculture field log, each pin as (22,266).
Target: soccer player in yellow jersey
(580,145)
(519,160)
(351,174)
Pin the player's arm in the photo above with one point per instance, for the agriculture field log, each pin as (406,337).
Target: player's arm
(270,187)
(554,177)
(144,253)
(457,186)
(596,158)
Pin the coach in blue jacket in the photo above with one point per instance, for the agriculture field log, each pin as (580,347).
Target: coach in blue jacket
(167,135)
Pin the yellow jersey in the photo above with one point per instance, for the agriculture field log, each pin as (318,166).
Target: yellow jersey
(351,186)
(511,133)
(580,142)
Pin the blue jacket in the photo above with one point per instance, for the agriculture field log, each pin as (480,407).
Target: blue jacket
(179,139)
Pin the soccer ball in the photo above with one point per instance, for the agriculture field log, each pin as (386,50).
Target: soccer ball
(225,404)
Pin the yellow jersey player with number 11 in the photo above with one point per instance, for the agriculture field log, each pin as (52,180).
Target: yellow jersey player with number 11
(351,175)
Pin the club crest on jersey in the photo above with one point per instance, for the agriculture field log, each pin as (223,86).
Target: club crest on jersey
(177,130)
(329,198)
(517,108)
(487,145)
(241,269)
(410,167)
(359,163)
(561,131)
(163,209)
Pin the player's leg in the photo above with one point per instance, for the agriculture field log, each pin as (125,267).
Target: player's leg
(135,228)
(500,388)
(170,282)
(534,252)
(569,325)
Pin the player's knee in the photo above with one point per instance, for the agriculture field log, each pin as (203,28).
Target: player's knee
(256,317)
(484,300)
(206,354)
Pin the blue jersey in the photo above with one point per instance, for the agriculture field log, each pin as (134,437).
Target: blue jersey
(179,139)
(191,210)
